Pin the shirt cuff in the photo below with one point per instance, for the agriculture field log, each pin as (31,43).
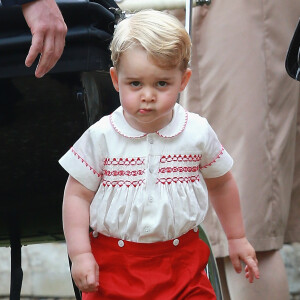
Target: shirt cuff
(80,170)
(7,3)
(219,166)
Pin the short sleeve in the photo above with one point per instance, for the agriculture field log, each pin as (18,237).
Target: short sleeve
(84,160)
(215,160)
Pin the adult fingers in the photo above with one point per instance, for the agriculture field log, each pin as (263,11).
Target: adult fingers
(35,48)
(60,38)
(47,58)
(54,43)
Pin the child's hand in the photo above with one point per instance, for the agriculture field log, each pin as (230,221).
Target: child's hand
(85,272)
(240,249)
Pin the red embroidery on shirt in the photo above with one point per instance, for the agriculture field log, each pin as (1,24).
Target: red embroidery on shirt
(180,158)
(124,161)
(169,180)
(120,183)
(123,173)
(83,161)
(208,165)
(178,169)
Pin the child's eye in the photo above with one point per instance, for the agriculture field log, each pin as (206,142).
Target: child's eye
(162,84)
(135,83)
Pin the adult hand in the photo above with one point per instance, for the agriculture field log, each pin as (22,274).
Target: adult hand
(48,31)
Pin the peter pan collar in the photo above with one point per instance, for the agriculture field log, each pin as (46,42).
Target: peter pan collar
(175,127)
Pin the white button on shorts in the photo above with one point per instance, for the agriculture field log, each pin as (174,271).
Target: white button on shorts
(176,242)
(121,243)
(95,234)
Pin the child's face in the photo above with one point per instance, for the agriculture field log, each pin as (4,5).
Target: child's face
(147,92)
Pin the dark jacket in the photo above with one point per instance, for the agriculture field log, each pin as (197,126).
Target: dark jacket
(14,2)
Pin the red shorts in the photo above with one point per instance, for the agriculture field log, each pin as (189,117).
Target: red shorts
(156,271)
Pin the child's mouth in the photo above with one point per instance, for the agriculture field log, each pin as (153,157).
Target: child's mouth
(145,110)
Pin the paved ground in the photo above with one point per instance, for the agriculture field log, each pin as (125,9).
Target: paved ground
(45,268)
(291,257)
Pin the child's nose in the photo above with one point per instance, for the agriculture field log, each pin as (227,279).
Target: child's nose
(148,95)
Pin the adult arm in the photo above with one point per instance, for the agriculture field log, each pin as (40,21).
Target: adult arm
(76,204)
(224,196)
(48,30)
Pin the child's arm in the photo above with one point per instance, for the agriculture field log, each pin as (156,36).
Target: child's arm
(76,205)
(224,196)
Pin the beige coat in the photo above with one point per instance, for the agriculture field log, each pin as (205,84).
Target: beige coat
(240,85)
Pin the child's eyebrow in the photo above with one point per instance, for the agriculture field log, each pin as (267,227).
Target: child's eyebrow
(140,78)
(133,78)
(164,78)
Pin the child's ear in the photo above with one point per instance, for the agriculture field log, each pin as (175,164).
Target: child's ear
(114,78)
(185,78)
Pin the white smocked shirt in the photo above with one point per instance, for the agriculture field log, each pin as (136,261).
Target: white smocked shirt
(149,186)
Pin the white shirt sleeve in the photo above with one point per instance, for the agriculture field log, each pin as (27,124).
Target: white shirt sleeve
(84,160)
(215,160)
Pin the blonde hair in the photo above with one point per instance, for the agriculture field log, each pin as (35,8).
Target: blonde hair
(160,34)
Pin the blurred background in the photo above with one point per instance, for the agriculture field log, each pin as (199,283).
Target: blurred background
(66,97)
